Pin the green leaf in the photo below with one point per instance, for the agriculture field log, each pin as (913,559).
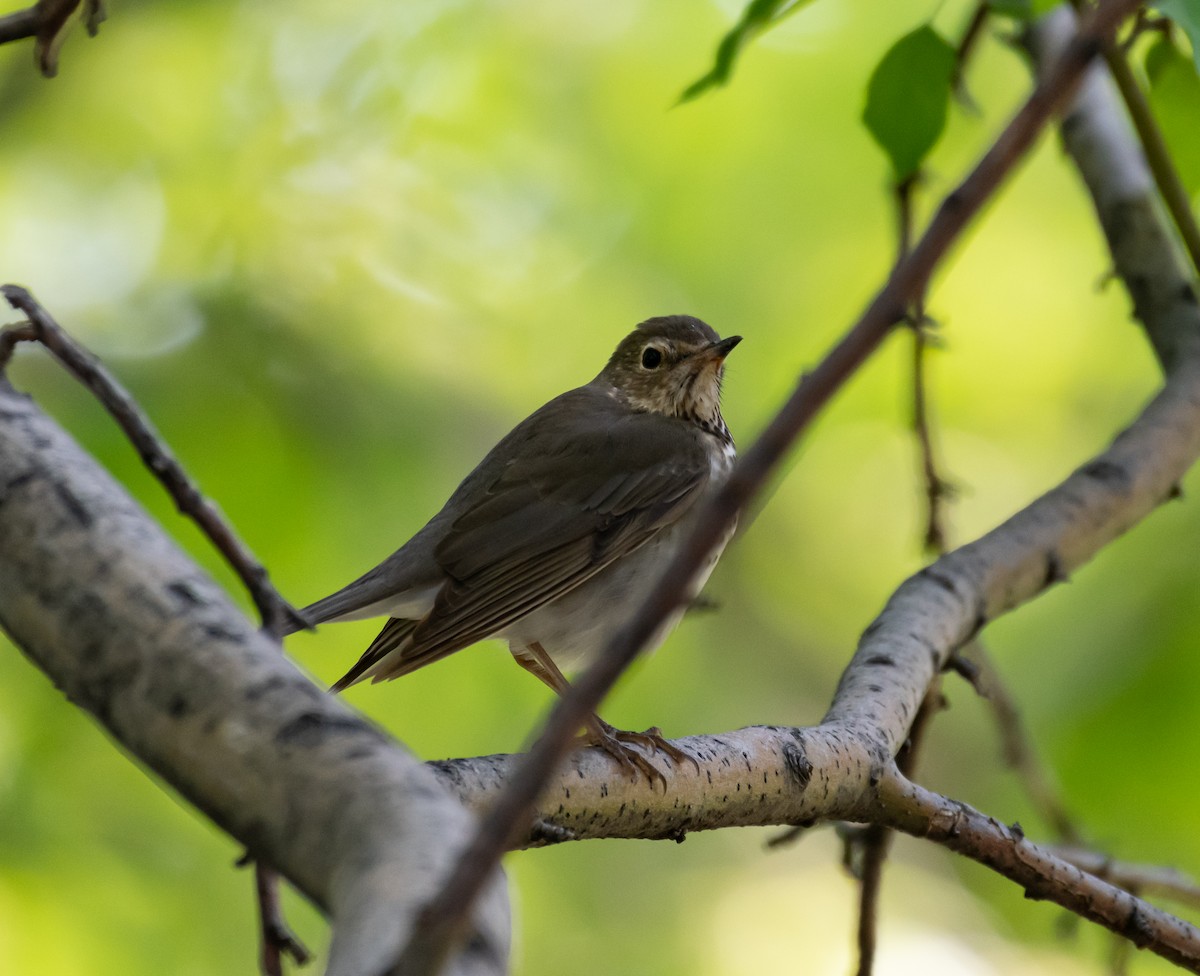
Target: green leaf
(758,16)
(908,96)
(1175,101)
(1185,13)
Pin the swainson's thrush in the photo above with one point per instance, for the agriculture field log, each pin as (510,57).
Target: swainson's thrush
(556,537)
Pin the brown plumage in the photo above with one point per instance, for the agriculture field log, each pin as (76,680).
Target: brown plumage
(551,541)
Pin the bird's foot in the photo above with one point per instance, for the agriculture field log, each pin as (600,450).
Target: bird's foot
(625,747)
(654,740)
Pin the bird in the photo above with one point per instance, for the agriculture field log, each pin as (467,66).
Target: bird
(557,535)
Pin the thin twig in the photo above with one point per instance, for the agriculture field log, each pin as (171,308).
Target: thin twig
(936,487)
(276,613)
(1145,22)
(1017,748)
(876,840)
(19,25)
(872,844)
(11,337)
(275,938)
(966,48)
(444,920)
(48,21)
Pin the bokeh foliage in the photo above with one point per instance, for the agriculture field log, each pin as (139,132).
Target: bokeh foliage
(337,249)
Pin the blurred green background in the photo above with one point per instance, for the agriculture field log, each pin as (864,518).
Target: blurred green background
(337,249)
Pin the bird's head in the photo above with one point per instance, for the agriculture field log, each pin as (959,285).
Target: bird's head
(672,365)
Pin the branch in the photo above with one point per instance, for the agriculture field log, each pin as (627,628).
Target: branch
(275,939)
(801,775)
(1017,748)
(1098,138)
(867,849)
(875,841)
(19,25)
(917,811)
(965,50)
(132,631)
(1139,878)
(937,488)
(508,820)
(276,613)
(1158,157)
(49,21)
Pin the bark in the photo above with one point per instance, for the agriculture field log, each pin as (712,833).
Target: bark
(132,631)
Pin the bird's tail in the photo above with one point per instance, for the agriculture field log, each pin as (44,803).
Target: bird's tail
(394,634)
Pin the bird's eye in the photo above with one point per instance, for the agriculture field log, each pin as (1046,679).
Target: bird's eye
(651,357)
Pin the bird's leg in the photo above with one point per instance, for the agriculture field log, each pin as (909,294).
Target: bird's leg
(534,659)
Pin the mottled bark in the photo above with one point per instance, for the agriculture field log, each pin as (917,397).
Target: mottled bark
(131,630)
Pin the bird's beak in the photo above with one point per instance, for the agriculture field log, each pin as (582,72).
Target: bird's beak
(722,348)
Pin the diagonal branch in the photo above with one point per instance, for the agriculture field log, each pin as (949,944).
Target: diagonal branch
(507,821)
(1043,875)
(276,613)
(1139,878)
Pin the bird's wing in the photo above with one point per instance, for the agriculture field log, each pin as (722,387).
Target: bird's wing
(532,534)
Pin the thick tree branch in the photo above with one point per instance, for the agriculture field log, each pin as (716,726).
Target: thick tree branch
(1097,135)
(132,631)
(1158,157)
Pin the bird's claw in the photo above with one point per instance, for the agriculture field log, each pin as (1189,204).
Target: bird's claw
(654,740)
(624,747)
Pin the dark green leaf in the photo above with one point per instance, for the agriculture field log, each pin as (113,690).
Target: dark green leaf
(758,16)
(1175,101)
(907,98)
(1185,13)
